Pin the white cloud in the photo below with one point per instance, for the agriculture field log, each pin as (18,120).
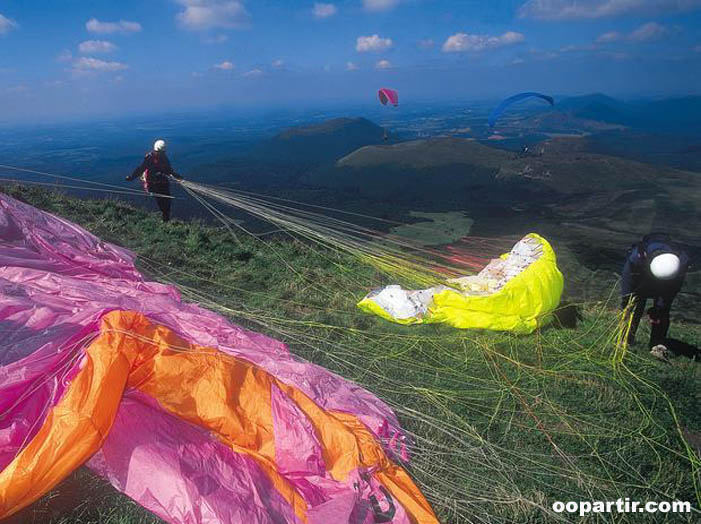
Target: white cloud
(542,54)
(609,37)
(426,44)
(383,64)
(123,26)
(577,9)
(277,64)
(645,33)
(85,64)
(225,66)
(511,37)
(372,43)
(321,10)
(254,73)
(6,24)
(517,61)
(380,5)
(461,42)
(90,47)
(200,15)
(648,32)
(350,66)
(196,74)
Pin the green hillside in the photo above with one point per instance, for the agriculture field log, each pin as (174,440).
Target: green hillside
(501,426)
(323,142)
(423,154)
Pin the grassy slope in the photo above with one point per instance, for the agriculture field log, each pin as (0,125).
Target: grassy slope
(527,420)
(435,229)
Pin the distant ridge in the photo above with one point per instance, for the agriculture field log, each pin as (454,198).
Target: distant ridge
(678,114)
(598,107)
(564,166)
(345,125)
(428,153)
(323,142)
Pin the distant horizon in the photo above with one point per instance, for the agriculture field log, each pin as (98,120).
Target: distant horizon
(353,109)
(96,60)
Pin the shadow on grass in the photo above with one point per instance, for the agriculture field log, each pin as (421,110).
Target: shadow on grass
(567,316)
(681,348)
(84,498)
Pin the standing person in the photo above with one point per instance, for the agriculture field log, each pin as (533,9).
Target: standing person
(154,171)
(654,269)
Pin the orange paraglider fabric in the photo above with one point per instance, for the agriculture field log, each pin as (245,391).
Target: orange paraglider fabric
(229,397)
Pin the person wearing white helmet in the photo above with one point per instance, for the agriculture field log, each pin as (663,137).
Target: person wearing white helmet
(155,171)
(654,269)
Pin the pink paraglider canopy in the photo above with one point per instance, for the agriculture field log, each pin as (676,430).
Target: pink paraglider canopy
(195,418)
(387,95)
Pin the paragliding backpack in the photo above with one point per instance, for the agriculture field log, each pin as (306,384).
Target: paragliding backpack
(651,244)
(147,177)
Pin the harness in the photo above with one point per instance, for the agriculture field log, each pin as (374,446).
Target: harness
(639,256)
(649,247)
(148,177)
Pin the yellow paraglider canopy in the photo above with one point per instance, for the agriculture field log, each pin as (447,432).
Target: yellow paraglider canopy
(516,292)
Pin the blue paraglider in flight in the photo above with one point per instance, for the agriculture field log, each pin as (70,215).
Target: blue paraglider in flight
(497,111)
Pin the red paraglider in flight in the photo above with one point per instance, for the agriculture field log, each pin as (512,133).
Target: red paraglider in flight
(388,96)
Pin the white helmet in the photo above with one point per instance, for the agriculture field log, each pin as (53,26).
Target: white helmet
(665,266)
(159,145)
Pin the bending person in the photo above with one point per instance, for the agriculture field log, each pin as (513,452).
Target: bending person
(654,269)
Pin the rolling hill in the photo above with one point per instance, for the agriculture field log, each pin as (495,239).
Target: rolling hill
(595,204)
(320,142)
(424,154)
(597,113)
(597,107)
(562,166)
(671,115)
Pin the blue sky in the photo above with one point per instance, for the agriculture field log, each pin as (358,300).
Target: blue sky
(69,58)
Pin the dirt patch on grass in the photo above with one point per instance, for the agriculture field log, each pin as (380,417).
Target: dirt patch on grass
(693,439)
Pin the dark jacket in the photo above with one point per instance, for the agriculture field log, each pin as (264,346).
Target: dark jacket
(637,278)
(156,168)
